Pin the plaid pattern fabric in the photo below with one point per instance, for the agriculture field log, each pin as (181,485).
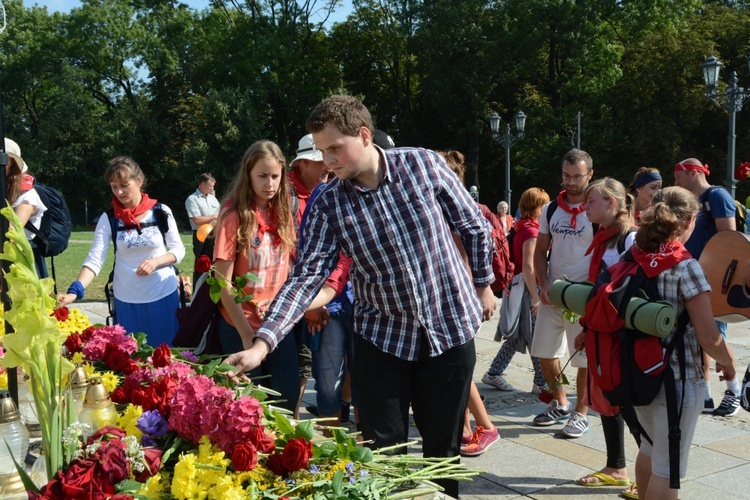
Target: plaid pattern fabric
(407,274)
(678,285)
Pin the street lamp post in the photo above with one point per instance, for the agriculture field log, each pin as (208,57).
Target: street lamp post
(731,100)
(506,141)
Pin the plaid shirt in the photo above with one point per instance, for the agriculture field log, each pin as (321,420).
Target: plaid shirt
(407,274)
(678,285)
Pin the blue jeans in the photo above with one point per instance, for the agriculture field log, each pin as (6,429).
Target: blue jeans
(336,342)
(281,364)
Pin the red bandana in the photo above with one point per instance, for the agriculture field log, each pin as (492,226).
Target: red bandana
(128,215)
(264,226)
(669,255)
(573,211)
(684,166)
(599,246)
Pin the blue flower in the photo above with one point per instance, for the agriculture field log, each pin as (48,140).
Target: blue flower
(363,473)
(290,481)
(152,423)
(314,469)
(349,467)
(147,442)
(188,355)
(352,480)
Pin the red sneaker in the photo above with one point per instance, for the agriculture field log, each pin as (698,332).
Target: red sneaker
(480,442)
(466,439)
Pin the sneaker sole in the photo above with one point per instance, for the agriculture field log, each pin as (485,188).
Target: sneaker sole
(551,422)
(710,411)
(735,412)
(477,453)
(573,436)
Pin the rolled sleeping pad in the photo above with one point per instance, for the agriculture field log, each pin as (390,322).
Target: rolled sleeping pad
(652,317)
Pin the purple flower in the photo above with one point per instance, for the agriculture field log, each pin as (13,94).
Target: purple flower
(147,442)
(188,355)
(153,424)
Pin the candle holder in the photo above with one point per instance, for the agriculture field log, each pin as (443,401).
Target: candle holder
(98,409)
(15,434)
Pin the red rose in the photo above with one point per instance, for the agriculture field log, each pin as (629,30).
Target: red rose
(119,396)
(203,264)
(74,343)
(296,455)
(76,480)
(50,491)
(244,457)
(114,463)
(276,465)
(118,360)
(162,356)
(262,440)
(165,388)
(88,333)
(109,432)
(145,397)
(153,464)
(61,314)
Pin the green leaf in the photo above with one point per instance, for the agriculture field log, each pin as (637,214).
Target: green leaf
(304,430)
(215,292)
(337,483)
(361,454)
(283,424)
(27,482)
(251,277)
(129,485)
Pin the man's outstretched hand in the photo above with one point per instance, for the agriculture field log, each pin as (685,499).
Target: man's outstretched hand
(248,359)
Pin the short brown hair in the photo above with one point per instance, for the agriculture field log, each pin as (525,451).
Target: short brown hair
(666,219)
(576,156)
(532,201)
(455,161)
(344,112)
(123,169)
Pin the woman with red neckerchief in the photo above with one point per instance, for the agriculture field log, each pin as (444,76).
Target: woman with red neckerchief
(660,252)
(144,285)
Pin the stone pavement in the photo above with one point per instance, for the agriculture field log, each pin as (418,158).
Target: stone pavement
(533,462)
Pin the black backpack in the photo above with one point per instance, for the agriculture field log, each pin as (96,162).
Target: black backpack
(162,223)
(740,213)
(630,366)
(52,237)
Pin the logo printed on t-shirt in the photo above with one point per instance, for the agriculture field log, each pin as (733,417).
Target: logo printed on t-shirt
(563,228)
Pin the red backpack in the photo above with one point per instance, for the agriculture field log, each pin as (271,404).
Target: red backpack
(628,365)
(502,265)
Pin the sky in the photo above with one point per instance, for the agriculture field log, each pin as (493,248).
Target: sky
(339,15)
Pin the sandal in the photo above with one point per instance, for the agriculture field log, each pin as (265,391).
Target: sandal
(603,480)
(631,492)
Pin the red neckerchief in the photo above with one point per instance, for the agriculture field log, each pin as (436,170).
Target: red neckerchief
(128,215)
(599,246)
(264,226)
(522,224)
(573,211)
(637,216)
(654,263)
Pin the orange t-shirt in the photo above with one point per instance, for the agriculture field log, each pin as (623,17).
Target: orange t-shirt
(269,261)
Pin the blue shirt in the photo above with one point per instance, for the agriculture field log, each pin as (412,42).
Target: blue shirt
(407,274)
(721,205)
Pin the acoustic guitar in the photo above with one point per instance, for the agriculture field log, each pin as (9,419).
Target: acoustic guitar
(725,260)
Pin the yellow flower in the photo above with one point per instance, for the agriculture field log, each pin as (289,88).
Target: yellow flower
(89,369)
(76,322)
(4,380)
(77,358)
(156,486)
(110,381)
(128,420)
(183,482)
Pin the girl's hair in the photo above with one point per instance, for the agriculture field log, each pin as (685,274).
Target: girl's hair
(667,218)
(455,160)
(612,189)
(532,201)
(13,181)
(122,169)
(640,173)
(240,197)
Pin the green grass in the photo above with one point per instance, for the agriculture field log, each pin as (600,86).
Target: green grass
(68,264)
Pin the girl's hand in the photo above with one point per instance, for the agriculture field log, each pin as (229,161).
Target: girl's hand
(147,267)
(317,319)
(63,299)
(578,342)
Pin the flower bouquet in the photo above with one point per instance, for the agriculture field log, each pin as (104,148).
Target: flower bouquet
(184,430)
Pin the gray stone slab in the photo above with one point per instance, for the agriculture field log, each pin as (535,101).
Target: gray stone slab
(711,429)
(482,488)
(732,483)
(705,462)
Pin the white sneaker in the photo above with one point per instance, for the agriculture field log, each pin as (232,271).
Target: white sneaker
(577,425)
(497,381)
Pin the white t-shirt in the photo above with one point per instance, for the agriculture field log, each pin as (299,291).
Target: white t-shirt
(612,256)
(132,249)
(569,245)
(32,198)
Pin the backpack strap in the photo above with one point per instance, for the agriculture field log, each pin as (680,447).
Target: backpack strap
(674,412)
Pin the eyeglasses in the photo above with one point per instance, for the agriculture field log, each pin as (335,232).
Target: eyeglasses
(576,178)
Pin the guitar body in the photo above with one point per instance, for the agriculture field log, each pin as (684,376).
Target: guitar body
(724,260)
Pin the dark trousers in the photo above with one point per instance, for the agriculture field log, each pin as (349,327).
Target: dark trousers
(437,389)
(197,247)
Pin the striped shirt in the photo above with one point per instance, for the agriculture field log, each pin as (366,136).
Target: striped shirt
(408,277)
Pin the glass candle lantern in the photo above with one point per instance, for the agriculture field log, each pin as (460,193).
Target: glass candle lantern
(98,410)
(15,434)
(78,382)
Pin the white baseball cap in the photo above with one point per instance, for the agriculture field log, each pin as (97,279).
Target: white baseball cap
(14,151)
(307,150)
